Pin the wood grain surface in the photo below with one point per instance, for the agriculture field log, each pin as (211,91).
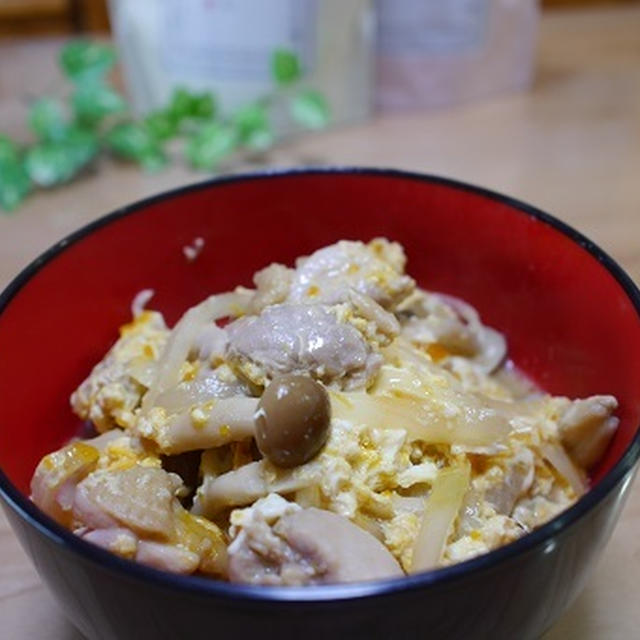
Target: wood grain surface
(571,146)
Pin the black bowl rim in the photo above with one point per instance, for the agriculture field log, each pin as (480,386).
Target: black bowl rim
(238,593)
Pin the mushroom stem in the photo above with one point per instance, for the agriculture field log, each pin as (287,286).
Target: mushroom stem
(245,485)
(203,427)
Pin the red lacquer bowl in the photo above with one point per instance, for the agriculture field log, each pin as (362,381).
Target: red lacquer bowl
(570,313)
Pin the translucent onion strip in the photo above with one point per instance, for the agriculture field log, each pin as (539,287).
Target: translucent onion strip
(197,392)
(440,511)
(556,456)
(183,337)
(465,423)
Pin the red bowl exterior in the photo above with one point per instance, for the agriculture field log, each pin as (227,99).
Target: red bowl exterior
(570,313)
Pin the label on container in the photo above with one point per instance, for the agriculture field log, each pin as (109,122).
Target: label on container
(431,26)
(232,40)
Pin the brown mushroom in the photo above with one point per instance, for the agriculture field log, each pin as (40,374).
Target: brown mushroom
(292,421)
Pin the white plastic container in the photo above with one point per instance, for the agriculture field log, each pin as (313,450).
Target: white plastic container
(435,53)
(225,46)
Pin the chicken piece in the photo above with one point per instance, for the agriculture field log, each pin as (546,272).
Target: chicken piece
(375,269)
(167,557)
(301,339)
(279,543)
(455,327)
(115,539)
(54,482)
(513,482)
(586,428)
(492,533)
(116,385)
(531,513)
(139,498)
(450,333)
(159,555)
(135,513)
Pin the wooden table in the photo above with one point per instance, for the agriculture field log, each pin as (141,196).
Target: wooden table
(571,147)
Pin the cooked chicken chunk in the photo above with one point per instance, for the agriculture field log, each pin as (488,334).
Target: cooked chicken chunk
(586,428)
(55,479)
(139,498)
(135,512)
(116,385)
(301,339)
(375,270)
(512,482)
(454,327)
(278,543)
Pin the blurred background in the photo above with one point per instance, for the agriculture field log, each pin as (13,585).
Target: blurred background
(103,103)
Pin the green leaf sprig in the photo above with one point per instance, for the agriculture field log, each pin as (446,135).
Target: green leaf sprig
(96,118)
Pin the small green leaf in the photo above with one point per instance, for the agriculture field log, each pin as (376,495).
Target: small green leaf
(82,146)
(161,125)
(254,128)
(133,141)
(14,182)
(184,104)
(203,106)
(49,163)
(211,144)
(80,59)
(309,108)
(153,160)
(8,150)
(93,101)
(260,139)
(55,161)
(180,104)
(249,118)
(285,67)
(47,120)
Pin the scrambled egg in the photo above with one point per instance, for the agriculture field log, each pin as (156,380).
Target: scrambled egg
(109,396)
(436,448)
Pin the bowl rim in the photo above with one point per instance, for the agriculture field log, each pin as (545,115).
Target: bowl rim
(242,594)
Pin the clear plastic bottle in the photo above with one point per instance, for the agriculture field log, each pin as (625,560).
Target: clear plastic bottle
(225,46)
(433,53)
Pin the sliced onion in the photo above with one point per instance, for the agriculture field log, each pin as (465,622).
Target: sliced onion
(371,310)
(462,308)
(184,335)
(561,462)
(469,423)
(492,349)
(197,392)
(440,511)
(140,301)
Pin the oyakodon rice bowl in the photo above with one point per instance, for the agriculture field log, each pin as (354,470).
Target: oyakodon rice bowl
(342,425)
(541,284)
